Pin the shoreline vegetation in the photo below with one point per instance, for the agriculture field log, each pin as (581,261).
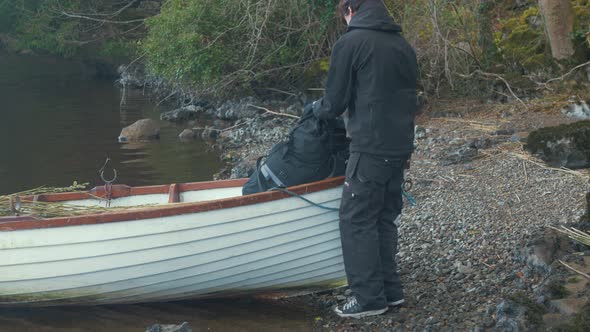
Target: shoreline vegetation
(210,50)
(478,252)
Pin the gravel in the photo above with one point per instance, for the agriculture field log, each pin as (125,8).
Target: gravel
(461,248)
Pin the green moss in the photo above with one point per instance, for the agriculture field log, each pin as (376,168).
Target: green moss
(533,11)
(557,289)
(581,34)
(534,311)
(316,73)
(578,133)
(573,280)
(521,41)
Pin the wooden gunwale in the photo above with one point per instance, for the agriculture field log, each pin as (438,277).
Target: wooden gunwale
(30,222)
(121,190)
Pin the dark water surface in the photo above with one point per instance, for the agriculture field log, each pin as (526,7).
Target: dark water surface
(57,125)
(237,315)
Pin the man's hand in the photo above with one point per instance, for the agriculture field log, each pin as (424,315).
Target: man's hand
(308,108)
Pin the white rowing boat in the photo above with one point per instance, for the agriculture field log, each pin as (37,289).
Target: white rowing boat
(200,240)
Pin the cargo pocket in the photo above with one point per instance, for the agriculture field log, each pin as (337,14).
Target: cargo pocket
(351,165)
(376,169)
(356,195)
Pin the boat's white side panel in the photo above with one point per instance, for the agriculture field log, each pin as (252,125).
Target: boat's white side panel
(279,243)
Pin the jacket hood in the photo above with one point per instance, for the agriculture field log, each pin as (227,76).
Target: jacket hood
(373,15)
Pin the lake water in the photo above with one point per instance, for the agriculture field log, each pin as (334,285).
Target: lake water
(58,124)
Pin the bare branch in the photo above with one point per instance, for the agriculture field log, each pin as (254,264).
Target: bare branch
(101,20)
(275,113)
(567,74)
(113,14)
(281,91)
(482,73)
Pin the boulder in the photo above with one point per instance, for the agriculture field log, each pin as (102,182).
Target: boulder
(182,114)
(579,110)
(26,51)
(210,133)
(233,110)
(141,130)
(184,327)
(562,146)
(542,250)
(464,154)
(186,135)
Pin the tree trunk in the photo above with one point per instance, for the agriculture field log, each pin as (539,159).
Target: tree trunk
(559,23)
(486,36)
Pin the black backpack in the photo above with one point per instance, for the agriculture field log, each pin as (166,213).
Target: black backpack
(315,150)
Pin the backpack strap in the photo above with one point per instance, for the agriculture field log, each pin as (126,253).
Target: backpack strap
(268,173)
(258,162)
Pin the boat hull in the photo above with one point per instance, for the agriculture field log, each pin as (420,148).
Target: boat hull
(253,248)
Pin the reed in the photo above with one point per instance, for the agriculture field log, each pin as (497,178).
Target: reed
(22,203)
(574,234)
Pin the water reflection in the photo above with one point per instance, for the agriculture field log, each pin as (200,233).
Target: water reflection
(58,125)
(237,315)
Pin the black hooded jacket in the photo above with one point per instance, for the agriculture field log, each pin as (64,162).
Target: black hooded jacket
(373,73)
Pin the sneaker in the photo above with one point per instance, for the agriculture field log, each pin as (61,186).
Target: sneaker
(395,303)
(353,309)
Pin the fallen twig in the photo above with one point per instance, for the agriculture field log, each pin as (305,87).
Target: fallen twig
(573,269)
(237,125)
(275,113)
(561,169)
(574,234)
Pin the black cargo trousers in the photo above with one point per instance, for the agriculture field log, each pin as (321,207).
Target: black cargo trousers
(371,203)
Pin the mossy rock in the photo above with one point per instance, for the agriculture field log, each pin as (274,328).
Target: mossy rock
(562,146)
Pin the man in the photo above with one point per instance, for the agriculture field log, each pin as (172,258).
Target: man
(373,74)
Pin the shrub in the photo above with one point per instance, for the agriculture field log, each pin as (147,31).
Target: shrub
(446,36)
(224,46)
(42,25)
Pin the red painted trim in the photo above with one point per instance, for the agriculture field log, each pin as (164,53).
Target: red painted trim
(171,210)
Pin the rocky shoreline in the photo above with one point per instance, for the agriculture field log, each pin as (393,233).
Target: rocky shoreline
(476,253)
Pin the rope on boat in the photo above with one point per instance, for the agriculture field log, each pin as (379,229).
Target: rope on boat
(409,197)
(288,192)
